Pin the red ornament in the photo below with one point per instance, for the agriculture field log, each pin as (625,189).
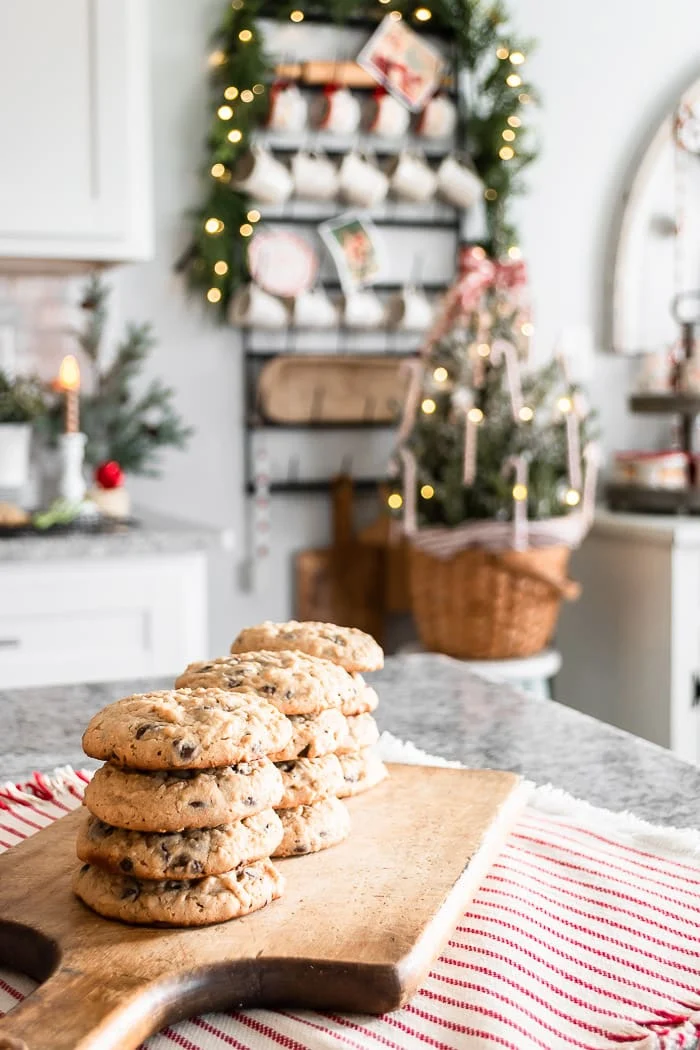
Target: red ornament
(109,475)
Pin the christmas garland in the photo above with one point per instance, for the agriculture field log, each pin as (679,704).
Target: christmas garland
(483,46)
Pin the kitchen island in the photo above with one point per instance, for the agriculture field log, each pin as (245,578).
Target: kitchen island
(438,705)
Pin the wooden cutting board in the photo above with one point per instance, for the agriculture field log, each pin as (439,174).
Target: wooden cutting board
(357,929)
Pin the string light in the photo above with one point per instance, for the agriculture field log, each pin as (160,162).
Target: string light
(427,491)
(526,414)
(214,295)
(483,349)
(213,225)
(524,98)
(217,58)
(384,1)
(428,406)
(565,404)
(517,58)
(422,14)
(490,194)
(231,92)
(440,374)
(572,497)
(395,16)
(234,135)
(245,36)
(220,267)
(506,153)
(508,135)
(514,80)
(395,501)
(253,215)
(519,492)
(478,252)
(527,328)
(218,170)
(258,89)
(514,252)
(502,53)
(514,121)
(245,230)
(475,415)
(237,5)
(247,96)
(224,112)
(297,16)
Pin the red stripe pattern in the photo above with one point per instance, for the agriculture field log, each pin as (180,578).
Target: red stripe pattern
(577,939)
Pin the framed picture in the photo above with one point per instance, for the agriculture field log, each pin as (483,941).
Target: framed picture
(356,249)
(403,63)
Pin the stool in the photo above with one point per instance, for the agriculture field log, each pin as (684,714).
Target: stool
(531,674)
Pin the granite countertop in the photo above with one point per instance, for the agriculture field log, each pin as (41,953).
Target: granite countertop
(435,702)
(152,534)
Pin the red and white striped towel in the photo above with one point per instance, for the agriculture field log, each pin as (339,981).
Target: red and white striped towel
(585,934)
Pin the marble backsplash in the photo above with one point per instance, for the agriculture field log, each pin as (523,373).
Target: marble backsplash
(37,316)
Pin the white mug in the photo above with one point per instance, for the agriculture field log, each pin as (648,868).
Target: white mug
(457,183)
(390,118)
(655,375)
(262,176)
(439,118)
(361,181)
(363,309)
(412,178)
(288,109)
(409,310)
(341,112)
(314,309)
(253,307)
(315,176)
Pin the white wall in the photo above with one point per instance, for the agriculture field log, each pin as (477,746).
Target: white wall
(605,73)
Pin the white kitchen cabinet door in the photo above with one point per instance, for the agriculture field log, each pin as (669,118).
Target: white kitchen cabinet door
(74,130)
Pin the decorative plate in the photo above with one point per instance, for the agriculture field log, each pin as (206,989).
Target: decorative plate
(282,263)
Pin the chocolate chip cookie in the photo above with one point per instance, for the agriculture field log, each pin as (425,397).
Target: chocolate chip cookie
(179,854)
(295,683)
(315,735)
(193,902)
(159,801)
(346,646)
(307,780)
(366,699)
(186,729)
(361,731)
(308,829)
(361,771)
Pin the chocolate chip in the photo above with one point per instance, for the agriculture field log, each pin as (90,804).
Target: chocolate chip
(171,884)
(184,749)
(300,849)
(339,640)
(181,861)
(197,804)
(126,864)
(208,667)
(196,867)
(85,867)
(269,690)
(323,834)
(100,830)
(132,891)
(249,801)
(304,753)
(288,695)
(142,730)
(233,683)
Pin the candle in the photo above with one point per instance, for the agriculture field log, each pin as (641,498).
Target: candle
(519,466)
(414,369)
(471,426)
(409,491)
(591,455)
(69,381)
(502,348)
(573,448)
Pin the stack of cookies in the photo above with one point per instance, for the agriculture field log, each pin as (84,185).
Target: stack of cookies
(181,822)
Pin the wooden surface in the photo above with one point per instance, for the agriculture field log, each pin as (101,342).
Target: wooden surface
(357,929)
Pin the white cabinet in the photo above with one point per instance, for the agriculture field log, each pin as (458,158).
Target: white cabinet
(631,644)
(74,130)
(101,619)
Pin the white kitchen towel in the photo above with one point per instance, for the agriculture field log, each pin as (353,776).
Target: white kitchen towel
(584,934)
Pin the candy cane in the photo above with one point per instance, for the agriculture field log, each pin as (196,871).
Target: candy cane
(413,395)
(573,449)
(409,492)
(591,455)
(518,464)
(502,348)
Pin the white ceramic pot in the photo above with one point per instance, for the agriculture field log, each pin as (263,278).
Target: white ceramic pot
(15,442)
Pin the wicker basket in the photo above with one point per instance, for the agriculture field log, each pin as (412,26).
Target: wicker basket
(482,605)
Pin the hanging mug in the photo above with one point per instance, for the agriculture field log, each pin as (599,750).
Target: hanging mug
(457,183)
(315,176)
(411,178)
(409,310)
(314,309)
(288,108)
(389,117)
(363,309)
(262,176)
(361,181)
(253,307)
(439,118)
(340,112)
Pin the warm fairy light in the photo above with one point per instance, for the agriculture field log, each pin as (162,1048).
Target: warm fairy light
(527,328)
(214,295)
(478,252)
(508,135)
(519,492)
(258,89)
(235,135)
(384,1)
(483,349)
(253,215)
(572,497)
(231,92)
(490,194)
(217,58)
(220,267)
(395,16)
(514,80)
(245,230)
(514,121)
(213,225)
(514,252)
(224,112)
(526,414)
(428,406)
(395,501)
(517,58)
(237,5)
(475,415)
(427,491)
(440,374)
(69,373)
(218,170)
(245,36)
(422,14)
(247,95)
(506,153)
(565,404)
(296,16)
(524,98)
(502,53)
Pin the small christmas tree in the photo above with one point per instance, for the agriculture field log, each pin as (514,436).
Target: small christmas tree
(485,437)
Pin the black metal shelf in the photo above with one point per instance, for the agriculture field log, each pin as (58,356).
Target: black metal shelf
(270,355)
(319,424)
(666,404)
(640,499)
(317,486)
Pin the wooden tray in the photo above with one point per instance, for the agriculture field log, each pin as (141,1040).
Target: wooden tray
(332,389)
(356,930)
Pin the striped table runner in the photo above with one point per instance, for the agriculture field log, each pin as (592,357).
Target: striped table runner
(585,934)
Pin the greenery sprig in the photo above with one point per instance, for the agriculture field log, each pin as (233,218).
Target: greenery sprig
(485,52)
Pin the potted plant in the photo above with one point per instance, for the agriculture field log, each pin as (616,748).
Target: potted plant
(22,401)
